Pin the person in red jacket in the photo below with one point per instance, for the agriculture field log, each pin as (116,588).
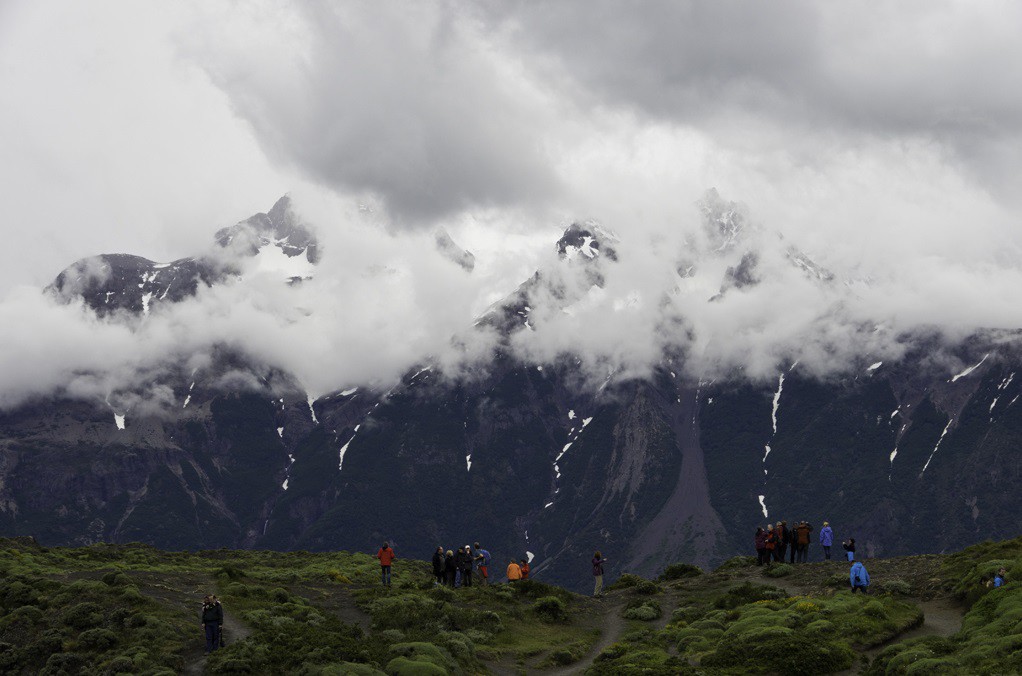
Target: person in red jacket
(524,566)
(386,556)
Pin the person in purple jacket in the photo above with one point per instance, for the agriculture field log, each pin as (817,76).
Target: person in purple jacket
(761,550)
(826,539)
(598,562)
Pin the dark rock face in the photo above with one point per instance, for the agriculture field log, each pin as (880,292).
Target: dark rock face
(904,457)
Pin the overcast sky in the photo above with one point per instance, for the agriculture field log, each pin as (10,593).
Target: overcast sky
(883,139)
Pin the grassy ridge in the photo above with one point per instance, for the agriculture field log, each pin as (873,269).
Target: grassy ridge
(111,609)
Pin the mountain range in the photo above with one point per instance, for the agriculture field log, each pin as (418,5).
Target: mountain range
(531,459)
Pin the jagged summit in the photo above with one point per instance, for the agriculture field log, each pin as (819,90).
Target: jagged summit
(280,227)
(109,283)
(588,240)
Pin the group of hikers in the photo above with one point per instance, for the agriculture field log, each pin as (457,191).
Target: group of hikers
(773,542)
(456,568)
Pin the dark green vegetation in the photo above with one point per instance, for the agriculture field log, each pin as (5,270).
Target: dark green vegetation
(109,609)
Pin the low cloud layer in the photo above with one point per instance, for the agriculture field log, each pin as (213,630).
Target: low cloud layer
(882,142)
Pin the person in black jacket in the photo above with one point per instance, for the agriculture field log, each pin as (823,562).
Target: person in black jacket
(450,568)
(212,619)
(465,566)
(438,566)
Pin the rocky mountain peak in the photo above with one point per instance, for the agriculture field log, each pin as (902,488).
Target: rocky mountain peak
(588,240)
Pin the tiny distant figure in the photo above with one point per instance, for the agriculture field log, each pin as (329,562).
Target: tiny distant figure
(760,543)
(803,534)
(524,566)
(386,556)
(771,542)
(212,619)
(826,539)
(849,547)
(439,572)
(482,559)
(1001,578)
(784,539)
(466,566)
(450,569)
(858,577)
(598,562)
(514,572)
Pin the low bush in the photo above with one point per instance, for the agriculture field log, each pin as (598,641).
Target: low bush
(736,563)
(778,570)
(550,609)
(748,592)
(678,571)
(97,640)
(647,611)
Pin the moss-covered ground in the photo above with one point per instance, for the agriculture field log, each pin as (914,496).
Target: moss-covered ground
(110,609)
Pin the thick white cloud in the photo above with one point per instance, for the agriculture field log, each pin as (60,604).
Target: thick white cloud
(883,141)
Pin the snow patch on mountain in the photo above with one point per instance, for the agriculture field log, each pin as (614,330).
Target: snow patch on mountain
(968,371)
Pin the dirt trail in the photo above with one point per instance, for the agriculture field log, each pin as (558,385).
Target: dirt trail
(613,627)
(941,617)
(234,631)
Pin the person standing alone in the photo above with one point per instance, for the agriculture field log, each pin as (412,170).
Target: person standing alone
(212,619)
(386,557)
(598,562)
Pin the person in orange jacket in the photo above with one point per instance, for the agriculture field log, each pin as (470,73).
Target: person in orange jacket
(514,572)
(386,556)
(524,565)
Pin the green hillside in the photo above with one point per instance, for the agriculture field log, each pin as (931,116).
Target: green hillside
(110,609)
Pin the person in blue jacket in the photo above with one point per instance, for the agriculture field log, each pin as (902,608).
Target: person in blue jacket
(858,577)
(826,539)
(999,579)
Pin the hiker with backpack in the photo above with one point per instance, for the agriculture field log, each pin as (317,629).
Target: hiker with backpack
(212,619)
(482,559)
(802,534)
(514,572)
(386,556)
(858,577)
(784,539)
(826,539)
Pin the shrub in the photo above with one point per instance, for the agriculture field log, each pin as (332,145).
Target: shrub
(779,570)
(97,640)
(894,587)
(779,649)
(748,592)
(647,611)
(230,572)
(736,563)
(83,616)
(338,576)
(678,571)
(63,663)
(116,579)
(120,664)
(345,669)
(420,651)
(626,581)
(402,666)
(551,609)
